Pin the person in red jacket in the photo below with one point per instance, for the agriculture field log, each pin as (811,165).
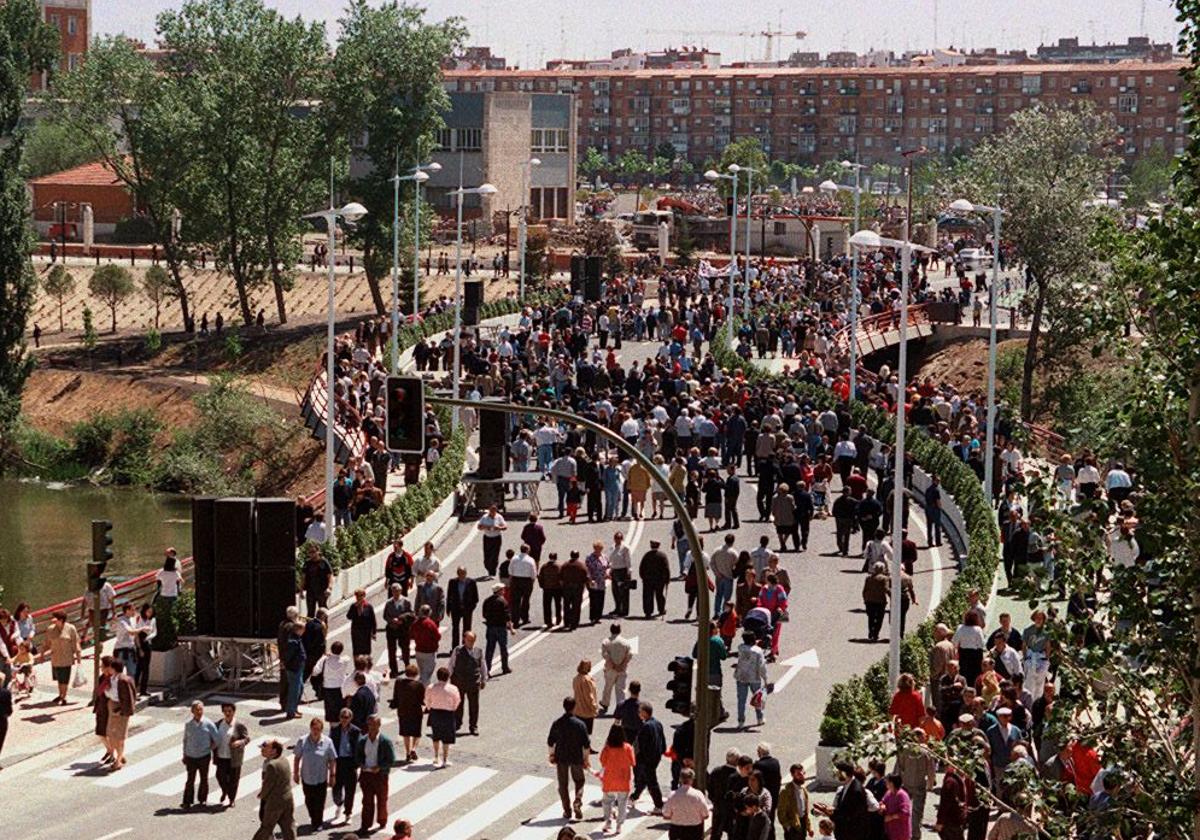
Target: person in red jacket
(425,637)
(908,706)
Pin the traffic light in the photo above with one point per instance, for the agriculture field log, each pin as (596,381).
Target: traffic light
(101,553)
(405,414)
(680,685)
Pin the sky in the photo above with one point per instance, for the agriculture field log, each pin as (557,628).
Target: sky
(530,32)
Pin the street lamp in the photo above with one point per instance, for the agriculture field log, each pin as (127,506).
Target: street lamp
(461,193)
(714,175)
(749,192)
(828,186)
(962,206)
(526,177)
(351,212)
(872,240)
(418,176)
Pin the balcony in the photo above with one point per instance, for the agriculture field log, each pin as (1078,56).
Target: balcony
(849,91)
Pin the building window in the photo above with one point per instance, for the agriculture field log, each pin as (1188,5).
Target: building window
(71,24)
(549,140)
(73,61)
(445,139)
(1031,85)
(1127,103)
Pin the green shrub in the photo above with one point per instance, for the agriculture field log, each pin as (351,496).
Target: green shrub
(153,342)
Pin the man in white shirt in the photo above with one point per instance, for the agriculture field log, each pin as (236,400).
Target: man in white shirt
(546,436)
(522,570)
(620,564)
(427,562)
(761,557)
(616,653)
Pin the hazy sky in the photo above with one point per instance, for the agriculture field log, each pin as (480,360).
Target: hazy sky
(528,32)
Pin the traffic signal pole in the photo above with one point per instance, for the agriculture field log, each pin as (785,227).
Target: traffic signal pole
(704,717)
(101,555)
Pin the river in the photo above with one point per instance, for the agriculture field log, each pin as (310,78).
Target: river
(47,536)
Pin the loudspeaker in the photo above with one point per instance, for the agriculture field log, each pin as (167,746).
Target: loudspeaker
(203,568)
(274,592)
(493,443)
(591,279)
(233,534)
(234,593)
(275,533)
(472,294)
(577,269)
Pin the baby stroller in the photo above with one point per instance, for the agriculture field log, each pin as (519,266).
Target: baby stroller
(758,622)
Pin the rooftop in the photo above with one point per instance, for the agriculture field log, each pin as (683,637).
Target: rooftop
(95,174)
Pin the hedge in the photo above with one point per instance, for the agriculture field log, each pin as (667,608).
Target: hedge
(855,706)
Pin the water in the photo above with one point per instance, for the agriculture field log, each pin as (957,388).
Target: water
(47,536)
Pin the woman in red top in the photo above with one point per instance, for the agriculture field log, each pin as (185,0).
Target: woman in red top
(616,762)
(907,707)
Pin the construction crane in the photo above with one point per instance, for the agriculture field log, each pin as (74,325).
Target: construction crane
(769,34)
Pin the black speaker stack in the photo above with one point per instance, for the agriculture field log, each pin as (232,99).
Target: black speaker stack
(577,270)
(591,278)
(493,443)
(472,300)
(245,568)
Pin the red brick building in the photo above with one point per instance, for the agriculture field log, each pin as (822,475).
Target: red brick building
(65,194)
(73,20)
(814,114)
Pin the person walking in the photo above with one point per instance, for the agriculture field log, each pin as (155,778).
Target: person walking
(375,757)
(584,688)
(443,701)
(570,751)
(462,597)
(293,658)
(122,700)
(550,581)
(276,806)
(617,763)
(620,565)
(363,624)
(497,621)
(426,637)
(617,653)
(574,578)
(468,673)
(522,572)
(733,491)
(655,573)
(345,737)
(408,699)
(65,652)
(795,807)
(493,526)
(316,576)
(750,673)
(200,740)
(314,768)
(398,617)
(783,512)
(649,747)
(875,593)
(430,594)
(333,670)
(597,579)
(232,738)
(687,809)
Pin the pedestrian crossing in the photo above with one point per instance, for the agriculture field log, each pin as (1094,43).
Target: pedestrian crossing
(458,802)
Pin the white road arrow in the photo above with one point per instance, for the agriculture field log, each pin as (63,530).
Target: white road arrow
(795,665)
(633,649)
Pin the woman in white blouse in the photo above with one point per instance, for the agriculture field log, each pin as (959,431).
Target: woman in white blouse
(970,644)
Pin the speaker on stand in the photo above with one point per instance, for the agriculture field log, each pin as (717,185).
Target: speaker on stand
(203,564)
(591,278)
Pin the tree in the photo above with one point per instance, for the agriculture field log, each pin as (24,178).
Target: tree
(1042,170)
(1150,178)
(632,166)
(746,152)
(112,284)
(665,150)
(125,113)
(59,284)
(397,107)
(246,78)
(27,45)
(685,245)
(51,146)
(594,162)
(157,287)
(599,238)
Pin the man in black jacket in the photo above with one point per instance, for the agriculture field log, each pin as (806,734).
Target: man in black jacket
(870,511)
(497,621)
(845,510)
(461,599)
(363,625)
(345,742)
(648,749)
(570,753)
(804,512)
(398,616)
(362,703)
(655,572)
(851,819)
(772,774)
(722,781)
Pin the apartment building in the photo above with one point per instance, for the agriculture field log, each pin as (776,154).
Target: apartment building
(73,20)
(813,114)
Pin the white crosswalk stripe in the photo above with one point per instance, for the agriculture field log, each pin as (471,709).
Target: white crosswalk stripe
(490,810)
(174,785)
(447,792)
(141,769)
(134,745)
(548,823)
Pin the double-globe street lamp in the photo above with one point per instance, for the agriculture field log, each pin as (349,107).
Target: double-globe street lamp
(869,239)
(714,176)
(750,173)
(418,175)
(350,212)
(963,206)
(830,187)
(523,221)
(460,194)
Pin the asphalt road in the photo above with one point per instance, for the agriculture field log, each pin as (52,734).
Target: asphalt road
(499,784)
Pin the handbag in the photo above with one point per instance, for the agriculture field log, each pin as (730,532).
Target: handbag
(756,701)
(781,616)
(79,680)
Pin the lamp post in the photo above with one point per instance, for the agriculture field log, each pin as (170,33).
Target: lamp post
(418,176)
(961,205)
(460,193)
(746,272)
(714,175)
(871,239)
(522,222)
(351,212)
(831,187)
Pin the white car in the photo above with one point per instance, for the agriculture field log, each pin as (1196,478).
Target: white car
(975,259)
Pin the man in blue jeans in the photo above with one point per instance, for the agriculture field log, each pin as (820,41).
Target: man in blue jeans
(751,675)
(293,664)
(723,560)
(498,623)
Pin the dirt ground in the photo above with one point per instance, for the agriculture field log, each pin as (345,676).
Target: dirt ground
(54,400)
(964,363)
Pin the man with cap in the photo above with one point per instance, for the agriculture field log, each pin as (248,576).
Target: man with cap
(1002,738)
(655,572)
(498,623)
